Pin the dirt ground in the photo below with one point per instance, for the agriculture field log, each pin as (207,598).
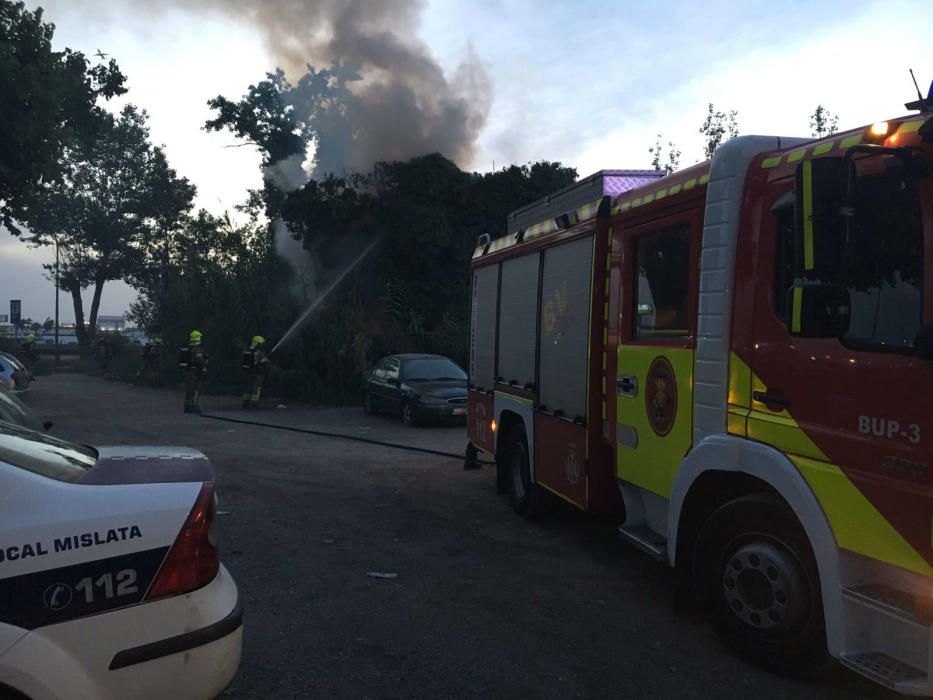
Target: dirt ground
(484,604)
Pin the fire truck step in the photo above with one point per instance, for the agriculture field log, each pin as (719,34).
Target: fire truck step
(884,669)
(646,539)
(886,599)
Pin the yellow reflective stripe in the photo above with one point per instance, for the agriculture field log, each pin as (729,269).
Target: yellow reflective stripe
(772,162)
(625,206)
(910,127)
(737,421)
(796,155)
(675,189)
(690,184)
(660,194)
(823,148)
(808,215)
(636,202)
(795,312)
(512,397)
(851,141)
(856,523)
(740,382)
(704,179)
(648,198)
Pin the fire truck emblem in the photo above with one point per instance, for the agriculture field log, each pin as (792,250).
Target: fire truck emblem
(661,396)
(481,422)
(571,465)
(554,315)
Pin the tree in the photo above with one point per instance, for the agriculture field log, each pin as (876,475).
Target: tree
(716,127)
(115,192)
(671,162)
(47,98)
(823,122)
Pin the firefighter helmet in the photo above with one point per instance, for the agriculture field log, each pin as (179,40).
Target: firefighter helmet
(258,340)
(195,336)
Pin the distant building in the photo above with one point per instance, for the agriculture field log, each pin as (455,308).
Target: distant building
(111,323)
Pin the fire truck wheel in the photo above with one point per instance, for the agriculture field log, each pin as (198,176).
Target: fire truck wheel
(528,499)
(368,404)
(758,578)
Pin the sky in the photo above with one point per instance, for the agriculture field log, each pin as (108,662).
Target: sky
(589,84)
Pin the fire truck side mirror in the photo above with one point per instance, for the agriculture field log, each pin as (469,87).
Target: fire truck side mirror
(823,212)
(819,310)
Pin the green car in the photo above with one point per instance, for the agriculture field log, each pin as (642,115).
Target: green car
(417,388)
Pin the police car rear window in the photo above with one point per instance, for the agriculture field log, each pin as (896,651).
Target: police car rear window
(43,454)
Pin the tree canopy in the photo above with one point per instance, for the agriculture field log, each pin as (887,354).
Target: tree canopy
(47,99)
(115,199)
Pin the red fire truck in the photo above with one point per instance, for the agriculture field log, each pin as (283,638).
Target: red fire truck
(738,359)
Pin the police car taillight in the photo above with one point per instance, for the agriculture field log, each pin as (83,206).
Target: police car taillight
(193,560)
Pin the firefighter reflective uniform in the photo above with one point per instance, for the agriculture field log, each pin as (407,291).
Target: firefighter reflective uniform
(192,360)
(256,365)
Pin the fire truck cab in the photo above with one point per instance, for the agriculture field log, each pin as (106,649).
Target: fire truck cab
(738,359)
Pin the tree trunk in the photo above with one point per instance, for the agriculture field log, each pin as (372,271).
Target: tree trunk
(80,331)
(95,306)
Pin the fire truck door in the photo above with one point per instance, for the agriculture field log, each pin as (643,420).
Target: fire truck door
(654,377)
(854,412)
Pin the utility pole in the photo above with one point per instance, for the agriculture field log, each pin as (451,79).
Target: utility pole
(56,304)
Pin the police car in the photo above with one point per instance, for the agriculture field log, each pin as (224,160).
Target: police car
(110,581)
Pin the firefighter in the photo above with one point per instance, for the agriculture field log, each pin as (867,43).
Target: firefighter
(256,365)
(30,356)
(104,353)
(152,358)
(192,360)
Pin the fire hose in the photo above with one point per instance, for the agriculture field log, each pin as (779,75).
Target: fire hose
(341,436)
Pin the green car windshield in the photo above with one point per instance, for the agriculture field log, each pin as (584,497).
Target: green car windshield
(432,369)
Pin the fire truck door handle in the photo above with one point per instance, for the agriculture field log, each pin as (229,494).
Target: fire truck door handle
(770,399)
(626,385)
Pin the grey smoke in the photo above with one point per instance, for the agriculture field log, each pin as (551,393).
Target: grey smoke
(405,104)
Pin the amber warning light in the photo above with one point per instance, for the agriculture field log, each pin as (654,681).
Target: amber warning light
(493,425)
(879,129)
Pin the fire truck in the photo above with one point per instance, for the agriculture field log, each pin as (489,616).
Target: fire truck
(737,359)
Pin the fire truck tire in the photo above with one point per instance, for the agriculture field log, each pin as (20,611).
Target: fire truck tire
(528,499)
(368,406)
(758,578)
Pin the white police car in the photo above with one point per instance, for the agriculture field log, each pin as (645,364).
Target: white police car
(110,580)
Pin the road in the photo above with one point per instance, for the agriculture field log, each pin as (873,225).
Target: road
(484,604)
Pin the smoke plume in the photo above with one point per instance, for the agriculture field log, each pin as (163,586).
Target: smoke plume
(405,104)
